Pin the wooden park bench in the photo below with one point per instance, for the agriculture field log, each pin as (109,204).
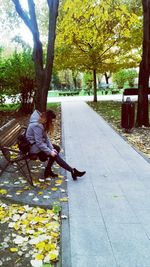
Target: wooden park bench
(8,138)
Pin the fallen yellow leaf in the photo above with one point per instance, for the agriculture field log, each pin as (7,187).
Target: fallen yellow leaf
(3,191)
(13,249)
(54,189)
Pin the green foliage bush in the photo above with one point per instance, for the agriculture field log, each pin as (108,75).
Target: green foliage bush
(17,77)
(131,75)
(9,107)
(124,76)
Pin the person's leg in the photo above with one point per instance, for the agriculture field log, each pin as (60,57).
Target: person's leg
(42,156)
(48,170)
(62,163)
(74,172)
(52,159)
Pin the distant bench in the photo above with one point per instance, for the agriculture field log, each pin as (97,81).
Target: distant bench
(112,91)
(68,93)
(115,91)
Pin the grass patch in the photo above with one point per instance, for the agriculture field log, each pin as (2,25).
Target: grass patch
(9,107)
(53,93)
(53,105)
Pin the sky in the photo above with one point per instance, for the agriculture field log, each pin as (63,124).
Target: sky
(23,31)
(26,34)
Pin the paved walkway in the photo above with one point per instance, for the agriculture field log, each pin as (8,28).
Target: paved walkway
(109,209)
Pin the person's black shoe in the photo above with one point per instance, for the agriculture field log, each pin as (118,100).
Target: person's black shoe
(50,174)
(53,174)
(75,173)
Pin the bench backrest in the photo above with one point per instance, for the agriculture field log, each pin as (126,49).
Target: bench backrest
(132,91)
(9,133)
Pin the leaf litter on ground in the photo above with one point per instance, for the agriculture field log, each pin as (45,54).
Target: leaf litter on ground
(35,233)
(30,236)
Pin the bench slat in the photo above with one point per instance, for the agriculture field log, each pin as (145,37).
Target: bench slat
(11,131)
(10,136)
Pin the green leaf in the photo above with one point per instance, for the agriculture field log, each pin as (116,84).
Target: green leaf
(47,265)
(56,207)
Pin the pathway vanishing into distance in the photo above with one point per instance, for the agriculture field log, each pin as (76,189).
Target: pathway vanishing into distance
(109,209)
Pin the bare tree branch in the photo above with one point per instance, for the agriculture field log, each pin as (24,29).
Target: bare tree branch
(22,14)
(53,13)
(35,29)
(31,23)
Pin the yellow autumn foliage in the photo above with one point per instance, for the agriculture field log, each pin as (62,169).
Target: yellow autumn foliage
(97,34)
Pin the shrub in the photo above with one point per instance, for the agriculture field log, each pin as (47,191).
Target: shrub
(123,76)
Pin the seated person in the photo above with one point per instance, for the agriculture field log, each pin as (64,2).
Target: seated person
(41,147)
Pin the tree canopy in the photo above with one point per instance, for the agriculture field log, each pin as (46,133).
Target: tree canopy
(99,35)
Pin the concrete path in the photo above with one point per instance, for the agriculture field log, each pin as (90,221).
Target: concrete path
(109,209)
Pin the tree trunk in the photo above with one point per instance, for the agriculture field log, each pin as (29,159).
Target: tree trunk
(107,79)
(27,91)
(43,73)
(41,92)
(95,85)
(142,109)
(74,77)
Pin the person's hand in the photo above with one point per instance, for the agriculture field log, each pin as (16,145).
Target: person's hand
(54,153)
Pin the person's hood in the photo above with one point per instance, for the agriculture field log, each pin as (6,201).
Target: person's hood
(35,116)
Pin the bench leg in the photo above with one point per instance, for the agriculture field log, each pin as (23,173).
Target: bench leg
(20,167)
(4,169)
(29,172)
